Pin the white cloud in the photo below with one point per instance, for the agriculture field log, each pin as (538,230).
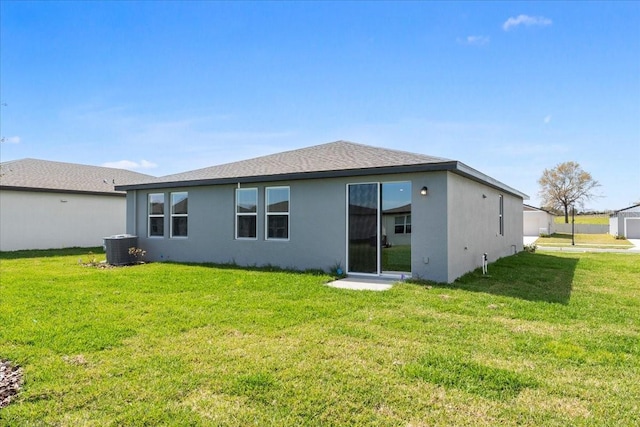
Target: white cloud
(129,164)
(474,40)
(547,118)
(11,140)
(525,20)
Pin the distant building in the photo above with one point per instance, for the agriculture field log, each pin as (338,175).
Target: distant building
(45,204)
(626,222)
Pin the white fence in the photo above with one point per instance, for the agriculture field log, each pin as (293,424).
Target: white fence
(583,228)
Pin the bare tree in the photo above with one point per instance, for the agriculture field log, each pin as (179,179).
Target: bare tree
(566,185)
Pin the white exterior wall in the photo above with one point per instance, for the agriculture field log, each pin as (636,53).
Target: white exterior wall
(41,220)
(389,228)
(613,225)
(536,221)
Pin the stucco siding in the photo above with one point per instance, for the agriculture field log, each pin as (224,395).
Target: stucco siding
(452,226)
(317,235)
(46,220)
(429,227)
(537,222)
(474,228)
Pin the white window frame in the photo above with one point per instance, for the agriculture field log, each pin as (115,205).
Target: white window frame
(239,214)
(152,215)
(174,215)
(406,222)
(267,214)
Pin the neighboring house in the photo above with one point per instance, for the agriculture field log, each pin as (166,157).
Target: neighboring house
(324,206)
(45,204)
(626,222)
(537,221)
(396,225)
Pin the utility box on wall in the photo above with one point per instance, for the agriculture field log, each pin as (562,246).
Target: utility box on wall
(117,249)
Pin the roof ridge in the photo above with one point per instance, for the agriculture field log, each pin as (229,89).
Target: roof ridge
(82,165)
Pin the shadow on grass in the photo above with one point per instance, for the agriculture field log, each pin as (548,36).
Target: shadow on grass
(43,253)
(532,277)
(262,268)
(561,236)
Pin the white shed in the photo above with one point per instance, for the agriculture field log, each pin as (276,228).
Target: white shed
(537,221)
(626,222)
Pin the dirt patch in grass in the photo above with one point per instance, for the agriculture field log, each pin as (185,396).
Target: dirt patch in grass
(10,381)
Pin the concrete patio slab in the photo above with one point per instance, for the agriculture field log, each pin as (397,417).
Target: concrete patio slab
(363,283)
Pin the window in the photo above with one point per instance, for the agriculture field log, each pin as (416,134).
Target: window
(501,214)
(277,212)
(403,224)
(246,213)
(179,211)
(156,214)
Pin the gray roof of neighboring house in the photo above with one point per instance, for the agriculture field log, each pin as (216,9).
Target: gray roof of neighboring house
(334,159)
(629,208)
(533,208)
(49,176)
(400,209)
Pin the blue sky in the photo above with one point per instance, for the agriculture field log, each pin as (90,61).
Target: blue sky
(509,88)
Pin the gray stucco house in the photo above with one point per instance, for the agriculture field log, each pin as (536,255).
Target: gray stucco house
(323,206)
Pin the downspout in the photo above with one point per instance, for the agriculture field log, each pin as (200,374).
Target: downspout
(134,229)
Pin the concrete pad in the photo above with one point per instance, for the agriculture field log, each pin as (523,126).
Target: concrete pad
(363,284)
(527,240)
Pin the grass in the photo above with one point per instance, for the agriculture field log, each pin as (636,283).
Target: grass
(600,219)
(590,240)
(544,339)
(396,258)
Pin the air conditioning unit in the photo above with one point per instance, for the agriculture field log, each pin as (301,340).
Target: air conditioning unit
(117,249)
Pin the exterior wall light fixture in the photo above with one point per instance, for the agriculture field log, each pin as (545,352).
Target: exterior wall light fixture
(423,191)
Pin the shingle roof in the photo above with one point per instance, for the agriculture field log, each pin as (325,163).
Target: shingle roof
(333,156)
(400,209)
(340,158)
(45,175)
(533,208)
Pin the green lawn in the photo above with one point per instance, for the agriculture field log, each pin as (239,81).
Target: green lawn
(396,258)
(543,340)
(591,240)
(601,219)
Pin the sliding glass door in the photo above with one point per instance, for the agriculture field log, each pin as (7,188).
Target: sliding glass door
(363,228)
(379,228)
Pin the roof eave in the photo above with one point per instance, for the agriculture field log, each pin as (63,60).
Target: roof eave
(293,176)
(450,166)
(478,176)
(116,193)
